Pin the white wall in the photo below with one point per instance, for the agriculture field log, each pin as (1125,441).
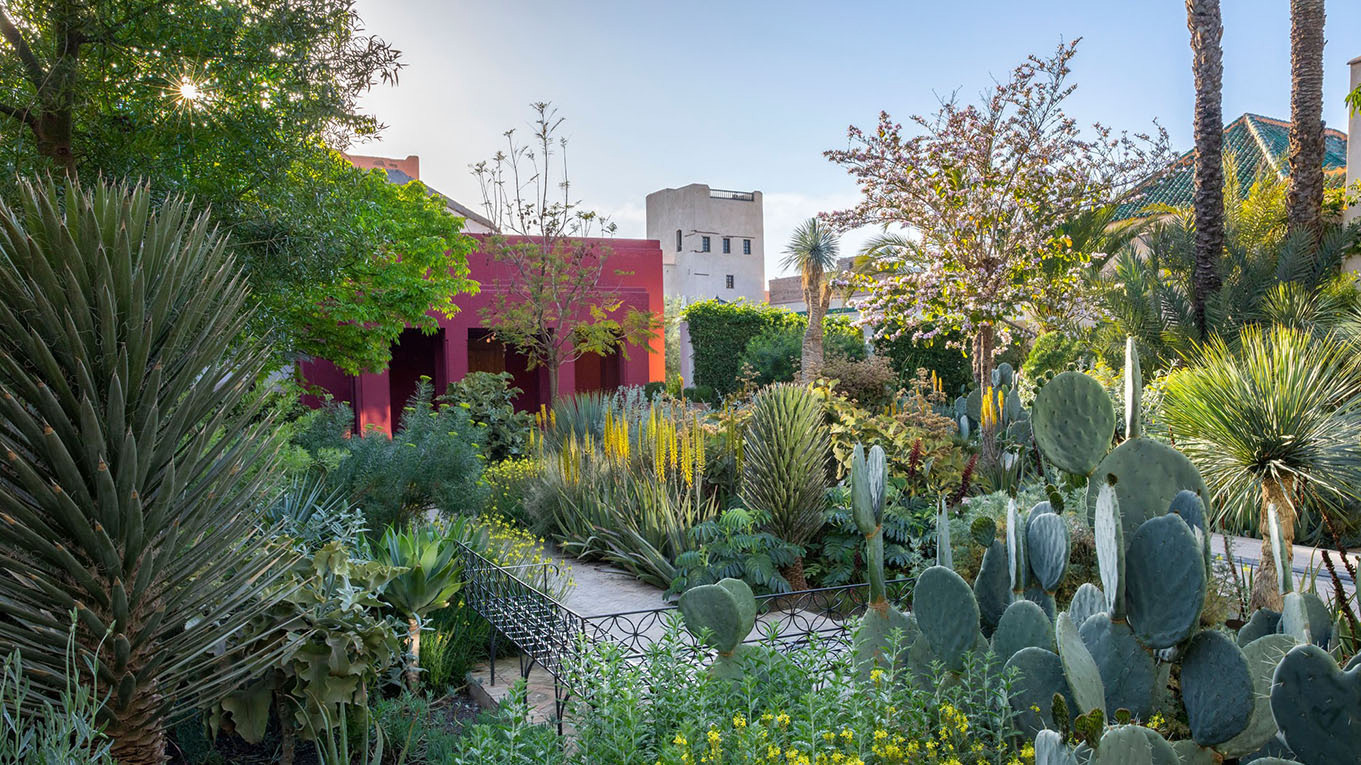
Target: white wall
(697,211)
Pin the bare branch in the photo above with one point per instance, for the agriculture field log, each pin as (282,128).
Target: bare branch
(36,74)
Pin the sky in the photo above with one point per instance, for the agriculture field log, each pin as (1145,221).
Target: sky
(748,95)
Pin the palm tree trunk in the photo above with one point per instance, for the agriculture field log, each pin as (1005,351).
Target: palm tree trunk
(138,731)
(793,573)
(1265,589)
(1304,201)
(413,668)
(1203,20)
(812,357)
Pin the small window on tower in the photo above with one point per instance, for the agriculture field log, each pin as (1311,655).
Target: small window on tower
(728,281)
(704,244)
(727,245)
(678,240)
(746,246)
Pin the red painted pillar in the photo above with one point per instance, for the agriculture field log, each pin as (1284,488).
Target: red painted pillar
(373,402)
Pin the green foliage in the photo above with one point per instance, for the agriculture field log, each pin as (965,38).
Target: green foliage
(508,486)
(415,726)
(135,452)
(734,546)
(907,355)
(489,399)
(837,556)
(429,574)
(786,454)
(433,461)
(720,334)
(870,383)
(1052,352)
(310,514)
(39,731)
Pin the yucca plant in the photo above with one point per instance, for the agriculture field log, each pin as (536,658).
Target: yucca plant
(784,472)
(1275,421)
(134,451)
(431,575)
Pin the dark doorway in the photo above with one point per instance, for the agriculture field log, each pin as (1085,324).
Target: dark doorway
(486,353)
(597,372)
(414,355)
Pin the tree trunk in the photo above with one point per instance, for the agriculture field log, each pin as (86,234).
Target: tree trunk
(137,730)
(793,573)
(1304,201)
(812,356)
(1265,589)
(984,341)
(552,382)
(1203,21)
(413,668)
(288,736)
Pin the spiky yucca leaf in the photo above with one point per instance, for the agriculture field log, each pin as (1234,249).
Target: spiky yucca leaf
(785,471)
(133,451)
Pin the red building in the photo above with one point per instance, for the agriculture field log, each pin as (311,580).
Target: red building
(633,273)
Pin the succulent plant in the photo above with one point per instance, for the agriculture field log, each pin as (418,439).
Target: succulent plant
(944,554)
(1128,674)
(992,586)
(1039,677)
(1263,621)
(875,637)
(1079,668)
(1263,656)
(1110,550)
(1023,625)
(1165,582)
(1073,422)
(1147,476)
(1317,707)
(1047,543)
(947,615)
(1088,600)
(721,615)
(983,531)
(1134,389)
(1016,564)
(1216,687)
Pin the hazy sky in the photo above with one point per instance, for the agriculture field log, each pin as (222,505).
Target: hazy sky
(747,95)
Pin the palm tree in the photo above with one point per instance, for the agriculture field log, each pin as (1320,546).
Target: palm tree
(431,577)
(1306,114)
(136,456)
(1203,20)
(813,251)
(1274,422)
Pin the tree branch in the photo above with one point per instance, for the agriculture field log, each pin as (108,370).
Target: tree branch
(36,73)
(23,115)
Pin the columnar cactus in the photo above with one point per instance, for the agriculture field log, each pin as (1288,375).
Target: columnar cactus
(876,634)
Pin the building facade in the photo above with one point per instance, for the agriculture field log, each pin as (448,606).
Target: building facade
(713,242)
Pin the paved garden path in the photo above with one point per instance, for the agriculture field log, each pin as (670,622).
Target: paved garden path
(1248,552)
(603,589)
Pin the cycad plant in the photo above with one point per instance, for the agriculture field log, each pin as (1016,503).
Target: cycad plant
(1275,422)
(784,472)
(431,575)
(134,453)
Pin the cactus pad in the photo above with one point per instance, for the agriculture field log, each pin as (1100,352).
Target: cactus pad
(1134,389)
(868,474)
(1039,676)
(1148,474)
(1047,542)
(1263,621)
(1216,687)
(1044,600)
(1050,749)
(1110,550)
(1263,655)
(947,615)
(1165,575)
(1317,706)
(725,613)
(1127,670)
(1079,668)
(1306,618)
(874,639)
(1190,507)
(1087,601)
(1134,745)
(992,586)
(1073,422)
(1022,626)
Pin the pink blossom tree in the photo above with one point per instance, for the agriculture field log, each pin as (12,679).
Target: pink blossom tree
(984,191)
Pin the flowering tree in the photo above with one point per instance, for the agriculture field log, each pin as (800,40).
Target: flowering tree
(985,189)
(559,306)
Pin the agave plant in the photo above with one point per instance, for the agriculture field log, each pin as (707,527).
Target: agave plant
(784,473)
(134,452)
(430,575)
(1275,422)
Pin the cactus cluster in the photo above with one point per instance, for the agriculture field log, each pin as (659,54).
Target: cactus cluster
(721,616)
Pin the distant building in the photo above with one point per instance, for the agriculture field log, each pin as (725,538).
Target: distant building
(713,242)
(403,171)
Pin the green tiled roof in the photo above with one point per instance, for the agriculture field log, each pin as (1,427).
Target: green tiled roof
(1256,144)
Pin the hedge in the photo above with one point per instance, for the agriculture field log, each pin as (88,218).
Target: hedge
(719,333)
(907,355)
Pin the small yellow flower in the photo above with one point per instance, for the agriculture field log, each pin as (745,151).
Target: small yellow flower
(739,722)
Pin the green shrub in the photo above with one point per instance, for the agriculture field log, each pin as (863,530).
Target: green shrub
(1052,352)
(733,546)
(433,461)
(907,356)
(508,484)
(870,383)
(773,355)
(36,730)
(489,399)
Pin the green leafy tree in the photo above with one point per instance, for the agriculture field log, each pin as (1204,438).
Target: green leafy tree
(236,104)
(136,455)
(560,304)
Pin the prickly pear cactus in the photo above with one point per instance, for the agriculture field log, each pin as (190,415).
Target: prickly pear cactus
(1263,656)
(722,615)
(1087,601)
(1305,617)
(1050,749)
(992,586)
(1039,676)
(1047,546)
(1016,564)
(947,615)
(1134,390)
(1073,422)
(875,638)
(1317,707)
(1079,668)
(1148,474)
(983,531)
(1127,671)
(1110,550)
(1134,745)
(1165,582)
(944,553)
(1022,626)
(1263,621)
(1216,687)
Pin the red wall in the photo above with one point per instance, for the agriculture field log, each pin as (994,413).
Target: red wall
(633,272)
